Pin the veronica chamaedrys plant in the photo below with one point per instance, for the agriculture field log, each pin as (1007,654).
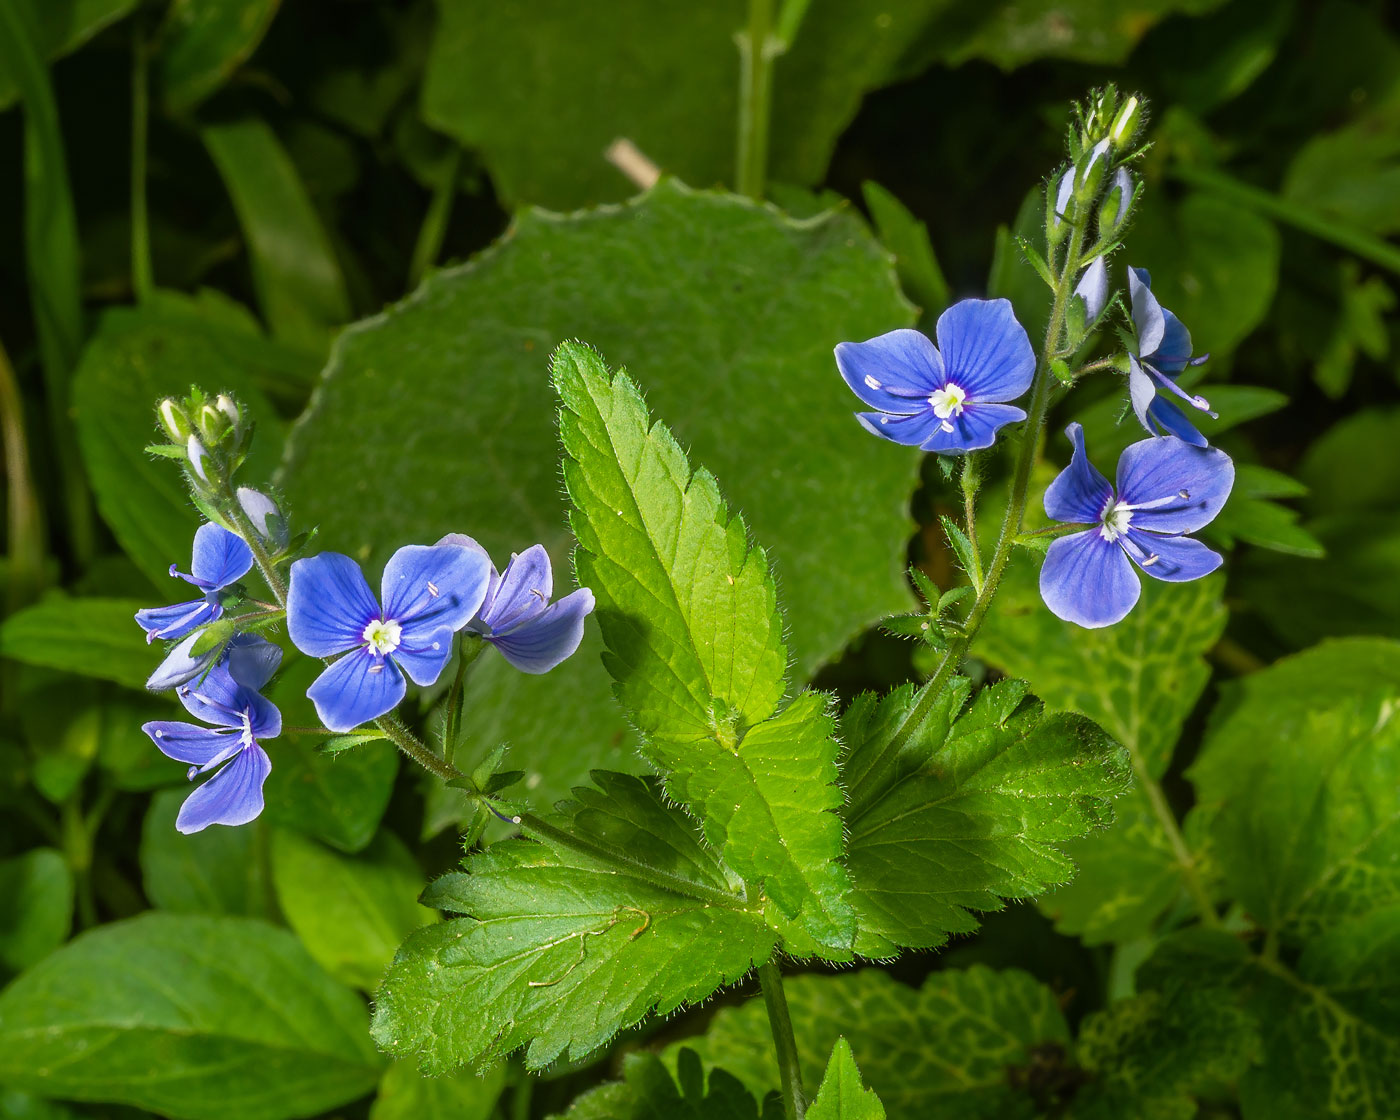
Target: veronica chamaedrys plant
(220,559)
(429,593)
(1165,488)
(1163,351)
(182,664)
(947,398)
(517,617)
(241,718)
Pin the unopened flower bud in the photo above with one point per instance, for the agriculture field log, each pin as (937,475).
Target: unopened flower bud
(1126,123)
(213,424)
(173,419)
(196,454)
(266,518)
(1117,203)
(226,405)
(1090,175)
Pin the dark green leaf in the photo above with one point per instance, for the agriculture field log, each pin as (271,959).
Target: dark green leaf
(61,27)
(38,891)
(240,1022)
(569,943)
(217,871)
(204,41)
(1350,468)
(907,238)
(92,637)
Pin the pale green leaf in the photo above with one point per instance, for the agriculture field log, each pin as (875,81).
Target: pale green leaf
(207,1018)
(842,1095)
(569,942)
(91,637)
(216,871)
(958,1048)
(687,608)
(37,888)
(351,912)
(971,810)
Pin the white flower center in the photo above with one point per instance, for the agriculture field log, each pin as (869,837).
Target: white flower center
(1116,520)
(383,637)
(947,401)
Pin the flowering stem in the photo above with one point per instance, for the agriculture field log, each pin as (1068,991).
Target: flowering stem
(757,49)
(770,977)
(971,481)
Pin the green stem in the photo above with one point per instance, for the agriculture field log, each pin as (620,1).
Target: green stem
(971,482)
(1339,233)
(757,49)
(1185,858)
(434,229)
(1010,527)
(77,849)
(789,21)
(142,273)
(26,520)
(417,750)
(468,650)
(774,998)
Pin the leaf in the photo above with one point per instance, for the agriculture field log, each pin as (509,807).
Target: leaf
(688,611)
(91,637)
(203,42)
(405,1094)
(651,1092)
(1250,516)
(1352,173)
(842,1095)
(1152,1054)
(61,27)
(1303,762)
(137,357)
(298,281)
(244,1023)
(38,891)
(568,943)
(1347,470)
(908,239)
(351,912)
(643,282)
(957,1048)
(972,809)
(217,871)
(1138,680)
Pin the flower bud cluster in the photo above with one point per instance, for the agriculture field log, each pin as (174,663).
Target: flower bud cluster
(209,433)
(1097,183)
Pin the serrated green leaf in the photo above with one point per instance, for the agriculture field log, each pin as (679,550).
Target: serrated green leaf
(689,614)
(337,743)
(972,812)
(245,1024)
(216,871)
(568,943)
(38,891)
(1302,761)
(90,637)
(962,548)
(1150,1054)
(955,1049)
(842,1095)
(202,42)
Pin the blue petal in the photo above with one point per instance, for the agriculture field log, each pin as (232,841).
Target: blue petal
(1174,351)
(975,427)
(1142,391)
(1093,290)
(542,642)
(329,604)
(1155,472)
(1062,196)
(179,667)
(908,430)
(427,587)
(1177,559)
(423,655)
(264,719)
(1173,421)
(895,373)
(252,660)
(177,620)
(1088,580)
(1079,493)
(356,689)
(216,699)
(985,350)
(233,796)
(220,557)
(523,591)
(1147,312)
(188,742)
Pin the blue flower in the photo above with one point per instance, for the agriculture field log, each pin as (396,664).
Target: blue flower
(241,718)
(243,654)
(429,592)
(1165,489)
(1164,350)
(945,398)
(517,617)
(220,558)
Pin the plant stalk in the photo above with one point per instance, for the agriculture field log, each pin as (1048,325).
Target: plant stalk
(757,49)
(142,273)
(25,528)
(434,228)
(775,999)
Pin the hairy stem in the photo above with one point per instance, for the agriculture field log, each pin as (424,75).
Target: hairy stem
(757,49)
(971,481)
(774,998)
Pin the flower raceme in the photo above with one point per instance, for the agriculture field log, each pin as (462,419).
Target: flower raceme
(227,698)
(220,559)
(1163,351)
(1165,488)
(429,592)
(947,398)
(516,616)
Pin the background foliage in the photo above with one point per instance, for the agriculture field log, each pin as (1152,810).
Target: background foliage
(374,221)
